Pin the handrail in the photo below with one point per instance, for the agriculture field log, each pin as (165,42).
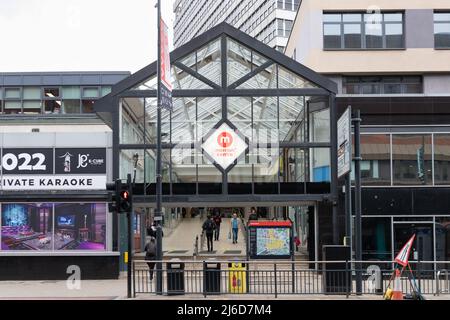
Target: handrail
(438,281)
(288,261)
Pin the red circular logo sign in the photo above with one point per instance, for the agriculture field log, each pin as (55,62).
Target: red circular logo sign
(224,139)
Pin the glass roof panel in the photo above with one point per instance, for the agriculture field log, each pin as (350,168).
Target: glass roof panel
(209,112)
(239,60)
(265,79)
(148,84)
(265,118)
(240,114)
(189,61)
(288,79)
(184,81)
(183,120)
(291,113)
(209,62)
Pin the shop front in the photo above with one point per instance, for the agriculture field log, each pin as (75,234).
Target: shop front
(53,209)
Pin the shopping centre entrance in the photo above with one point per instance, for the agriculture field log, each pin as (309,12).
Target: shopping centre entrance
(249,127)
(182,229)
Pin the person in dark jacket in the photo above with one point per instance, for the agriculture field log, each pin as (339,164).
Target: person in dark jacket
(217,221)
(208,228)
(151,231)
(150,255)
(253,215)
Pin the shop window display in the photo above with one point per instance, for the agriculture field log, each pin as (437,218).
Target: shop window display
(48,226)
(27,227)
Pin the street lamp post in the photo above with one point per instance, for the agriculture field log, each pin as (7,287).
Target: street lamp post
(158,214)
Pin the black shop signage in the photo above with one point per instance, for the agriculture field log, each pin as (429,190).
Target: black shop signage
(27,161)
(80,161)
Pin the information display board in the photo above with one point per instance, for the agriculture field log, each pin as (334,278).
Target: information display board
(270,240)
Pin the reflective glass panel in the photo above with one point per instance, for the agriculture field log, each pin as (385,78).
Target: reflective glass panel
(411,159)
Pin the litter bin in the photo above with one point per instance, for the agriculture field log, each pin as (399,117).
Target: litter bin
(336,277)
(237,277)
(175,277)
(211,277)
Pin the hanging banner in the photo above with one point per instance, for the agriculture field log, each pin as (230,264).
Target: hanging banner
(403,255)
(165,93)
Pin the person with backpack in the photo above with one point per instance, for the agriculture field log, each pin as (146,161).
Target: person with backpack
(217,221)
(208,228)
(150,255)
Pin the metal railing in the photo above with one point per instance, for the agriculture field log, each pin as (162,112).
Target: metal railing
(268,277)
(438,282)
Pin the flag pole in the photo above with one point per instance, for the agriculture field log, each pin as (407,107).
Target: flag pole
(158,213)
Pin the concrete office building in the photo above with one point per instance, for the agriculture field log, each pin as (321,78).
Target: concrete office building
(269,21)
(56,156)
(393,64)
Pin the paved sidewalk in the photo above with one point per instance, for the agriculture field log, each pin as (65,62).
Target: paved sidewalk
(117,290)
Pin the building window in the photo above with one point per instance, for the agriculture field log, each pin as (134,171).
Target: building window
(12,93)
(442,30)
(363,31)
(51,92)
(411,159)
(383,85)
(284,27)
(376,166)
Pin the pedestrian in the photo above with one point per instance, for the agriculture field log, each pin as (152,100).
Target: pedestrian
(150,255)
(253,215)
(217,221)
(235,227)
(208,228)
(151,231)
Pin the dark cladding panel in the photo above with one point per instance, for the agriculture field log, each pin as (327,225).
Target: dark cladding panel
(43,267)
(386,201)
(71,80)
(431,201)
(110,79)
(30,80)
(10,80)
(52,80)
(90,79)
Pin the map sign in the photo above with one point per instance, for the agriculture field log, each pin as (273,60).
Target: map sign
(270,239)
(273,242)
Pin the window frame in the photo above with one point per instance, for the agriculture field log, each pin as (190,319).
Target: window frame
(362,23)
(434,28)
(405,80)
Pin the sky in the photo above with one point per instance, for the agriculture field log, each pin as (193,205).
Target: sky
(79,35)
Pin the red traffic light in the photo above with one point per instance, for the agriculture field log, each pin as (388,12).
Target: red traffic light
(125,195)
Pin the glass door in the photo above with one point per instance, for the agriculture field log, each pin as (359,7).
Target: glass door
(423,245)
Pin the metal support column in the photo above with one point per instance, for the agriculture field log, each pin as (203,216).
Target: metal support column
(333,171)
(358,238)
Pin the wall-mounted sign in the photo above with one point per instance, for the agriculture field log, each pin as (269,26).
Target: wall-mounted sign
(53,182)
(224,146)
(53,169)
(344,143)
(80,161)
(27,161)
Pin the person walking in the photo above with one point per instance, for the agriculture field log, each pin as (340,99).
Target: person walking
(235,227)
(217,221)
(150,255)
(208,228)
(253,215)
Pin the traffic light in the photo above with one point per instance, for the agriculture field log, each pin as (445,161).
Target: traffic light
(114,197)
(125,200)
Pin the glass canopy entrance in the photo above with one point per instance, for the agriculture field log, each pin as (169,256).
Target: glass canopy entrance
(231,92)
